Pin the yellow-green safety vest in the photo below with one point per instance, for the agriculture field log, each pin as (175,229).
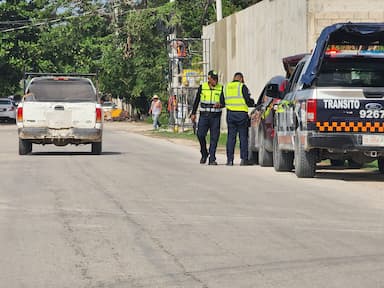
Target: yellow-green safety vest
(209,96)
(233,95)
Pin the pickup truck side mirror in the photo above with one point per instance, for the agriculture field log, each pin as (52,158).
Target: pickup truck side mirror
(272,90)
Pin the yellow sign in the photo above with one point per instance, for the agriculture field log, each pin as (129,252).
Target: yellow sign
(192,77)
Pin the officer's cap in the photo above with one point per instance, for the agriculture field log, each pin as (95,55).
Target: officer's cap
(213,74)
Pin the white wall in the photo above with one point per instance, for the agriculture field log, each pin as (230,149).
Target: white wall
(254,41)
(322,13)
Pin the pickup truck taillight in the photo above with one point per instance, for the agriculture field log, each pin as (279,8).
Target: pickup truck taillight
(20,114)
(311,110)
(99,115)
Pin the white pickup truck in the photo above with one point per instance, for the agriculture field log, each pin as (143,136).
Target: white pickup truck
(60,110)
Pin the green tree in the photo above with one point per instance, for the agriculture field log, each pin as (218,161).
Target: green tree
(129,50)
(15,42)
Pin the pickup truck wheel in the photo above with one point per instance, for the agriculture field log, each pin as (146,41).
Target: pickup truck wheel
(354,165)
(253,156)
(25,147)
(265,157)
(380,164)
(282,160)
(96,148)
(305,161)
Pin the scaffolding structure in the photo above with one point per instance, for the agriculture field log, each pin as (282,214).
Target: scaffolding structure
(189,60)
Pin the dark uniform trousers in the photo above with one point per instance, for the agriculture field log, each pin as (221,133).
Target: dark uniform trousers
(237,122)
(209,121)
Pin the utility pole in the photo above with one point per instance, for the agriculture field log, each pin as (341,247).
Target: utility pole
(219,10)
(174,68)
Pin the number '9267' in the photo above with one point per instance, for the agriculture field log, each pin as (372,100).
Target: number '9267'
(372,114)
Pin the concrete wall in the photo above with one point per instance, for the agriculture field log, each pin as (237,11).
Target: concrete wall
(322,13)
(255,40)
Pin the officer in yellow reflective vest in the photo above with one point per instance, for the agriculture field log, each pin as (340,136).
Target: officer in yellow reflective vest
(237,100)
(210,101)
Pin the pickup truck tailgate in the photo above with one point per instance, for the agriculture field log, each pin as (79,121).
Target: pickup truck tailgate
(59,115)
(349,111)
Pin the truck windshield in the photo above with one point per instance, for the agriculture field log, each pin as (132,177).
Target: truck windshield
(351,72)
(68,90)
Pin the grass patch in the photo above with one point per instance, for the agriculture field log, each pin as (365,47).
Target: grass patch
(371,165)
(188,135)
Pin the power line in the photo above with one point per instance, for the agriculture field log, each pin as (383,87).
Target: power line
(43,21)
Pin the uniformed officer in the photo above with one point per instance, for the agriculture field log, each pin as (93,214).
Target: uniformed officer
(237,100)
(211,99)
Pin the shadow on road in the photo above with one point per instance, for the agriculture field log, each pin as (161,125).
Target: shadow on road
(82,153)
(7,123)
(349,174)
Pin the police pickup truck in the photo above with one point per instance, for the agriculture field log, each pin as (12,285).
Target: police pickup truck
(59,109)
(334,103)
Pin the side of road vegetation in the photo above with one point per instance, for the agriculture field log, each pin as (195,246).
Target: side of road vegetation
(187,134)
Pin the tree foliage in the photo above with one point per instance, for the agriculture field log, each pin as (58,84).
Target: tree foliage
(127,46)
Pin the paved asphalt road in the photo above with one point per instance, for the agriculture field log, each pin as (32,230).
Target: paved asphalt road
(145,213)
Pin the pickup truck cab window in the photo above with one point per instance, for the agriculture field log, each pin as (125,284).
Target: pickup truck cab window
(67,90)
(351,71)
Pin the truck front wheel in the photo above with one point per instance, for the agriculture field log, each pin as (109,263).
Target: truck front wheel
(25,147)
(253,156)
(265,157)
(305,161)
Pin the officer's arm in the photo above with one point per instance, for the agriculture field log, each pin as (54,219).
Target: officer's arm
(196,102)
(247,96)
(222,100)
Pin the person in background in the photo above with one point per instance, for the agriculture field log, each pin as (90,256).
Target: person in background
(172,109)
(210,101)
(155,111)
(237,100)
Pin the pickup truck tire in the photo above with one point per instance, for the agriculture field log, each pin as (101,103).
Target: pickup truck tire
(380,164)
(305,161)
(353,164)
(282,160)
(25,147)
(265,157)
(96,148)
(253,156)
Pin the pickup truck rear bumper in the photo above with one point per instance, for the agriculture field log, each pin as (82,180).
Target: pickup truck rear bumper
(61,136)
(346,141)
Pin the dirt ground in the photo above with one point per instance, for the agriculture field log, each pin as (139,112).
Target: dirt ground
(145,129)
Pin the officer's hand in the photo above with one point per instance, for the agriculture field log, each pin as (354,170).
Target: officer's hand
(193,118)
(216,105)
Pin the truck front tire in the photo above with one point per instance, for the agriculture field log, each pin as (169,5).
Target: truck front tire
(265,157)
(253,156)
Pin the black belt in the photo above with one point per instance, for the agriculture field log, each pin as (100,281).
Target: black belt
(209,113)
